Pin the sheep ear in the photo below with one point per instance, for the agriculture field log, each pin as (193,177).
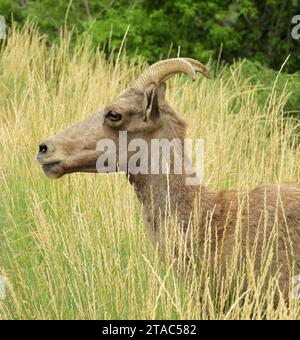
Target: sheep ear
(153,98)
(161,93)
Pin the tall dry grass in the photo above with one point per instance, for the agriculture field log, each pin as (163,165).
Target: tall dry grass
(76,248)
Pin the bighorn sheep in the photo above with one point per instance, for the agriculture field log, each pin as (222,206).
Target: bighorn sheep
(142,112)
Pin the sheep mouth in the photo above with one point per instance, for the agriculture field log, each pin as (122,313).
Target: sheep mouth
(52,169)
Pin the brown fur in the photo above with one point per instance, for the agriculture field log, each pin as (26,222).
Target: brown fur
(259,212)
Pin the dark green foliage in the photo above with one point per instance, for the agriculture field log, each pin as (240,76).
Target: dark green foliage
(259,30)
(266,78)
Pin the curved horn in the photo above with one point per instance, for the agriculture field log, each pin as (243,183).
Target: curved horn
(162,70)
(199,67)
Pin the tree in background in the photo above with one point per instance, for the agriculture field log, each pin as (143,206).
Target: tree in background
(259,30)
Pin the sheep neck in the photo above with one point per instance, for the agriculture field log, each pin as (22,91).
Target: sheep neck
(164,194)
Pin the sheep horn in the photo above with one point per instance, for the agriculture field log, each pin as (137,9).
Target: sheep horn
(163,70)
(199,67)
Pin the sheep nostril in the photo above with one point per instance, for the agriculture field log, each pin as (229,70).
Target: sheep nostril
(43,148)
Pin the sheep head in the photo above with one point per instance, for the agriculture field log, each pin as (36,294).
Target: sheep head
(138,111)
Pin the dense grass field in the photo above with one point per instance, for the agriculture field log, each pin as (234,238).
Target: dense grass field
(76,248)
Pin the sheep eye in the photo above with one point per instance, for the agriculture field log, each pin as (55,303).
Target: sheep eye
(113,116)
